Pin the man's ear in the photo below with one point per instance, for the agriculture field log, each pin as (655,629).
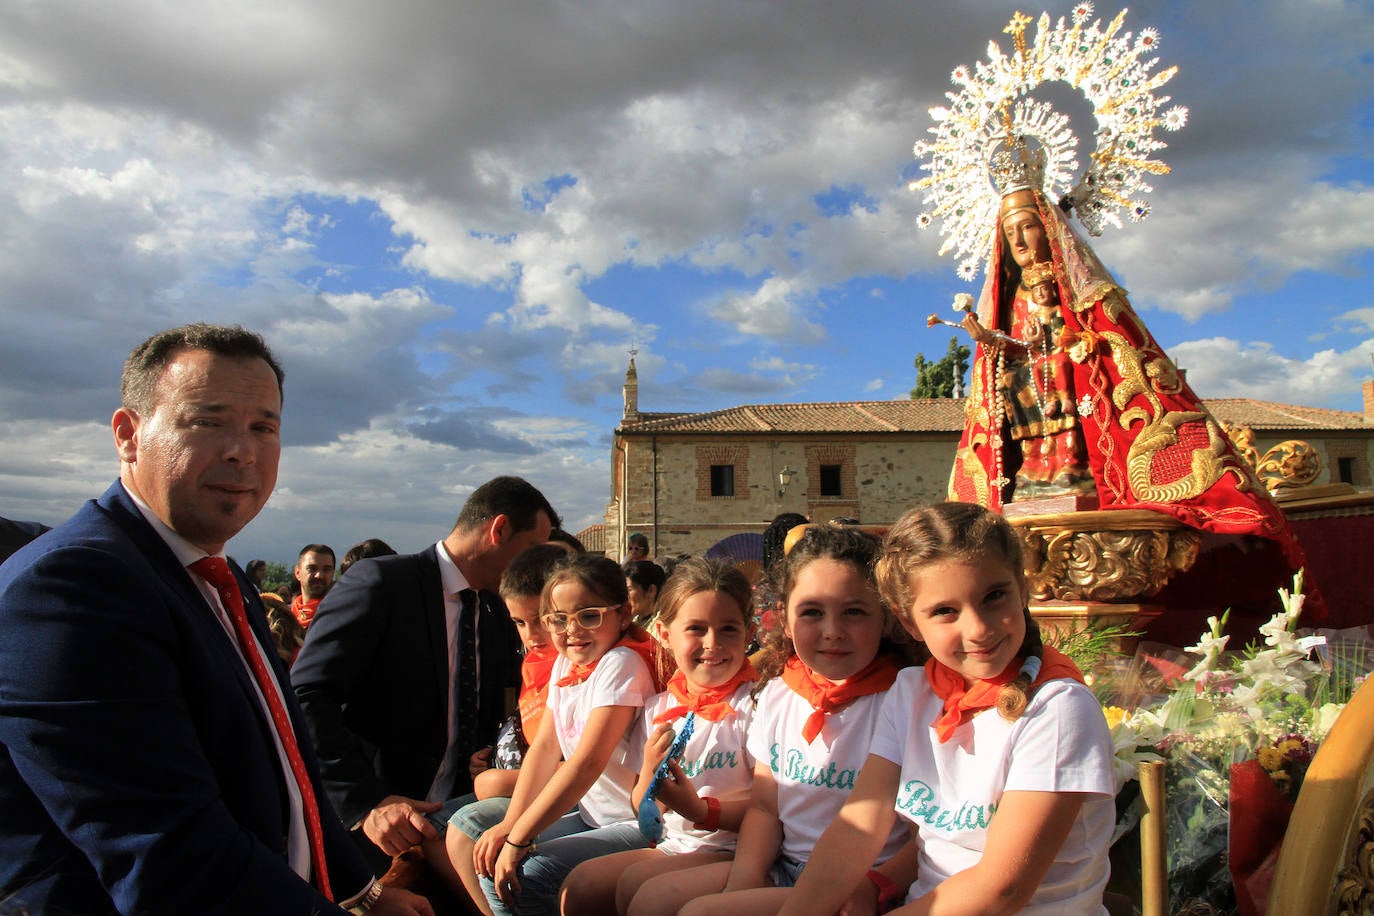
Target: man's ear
(499,530)
(124,424)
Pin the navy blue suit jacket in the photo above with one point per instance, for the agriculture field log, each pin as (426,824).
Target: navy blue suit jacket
(137,769)
(372,679)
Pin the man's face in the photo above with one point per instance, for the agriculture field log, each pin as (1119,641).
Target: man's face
(315,572)
(205,458)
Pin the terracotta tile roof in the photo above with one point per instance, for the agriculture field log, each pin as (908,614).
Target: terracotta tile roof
(939,415)
(1268,415)
(943,415)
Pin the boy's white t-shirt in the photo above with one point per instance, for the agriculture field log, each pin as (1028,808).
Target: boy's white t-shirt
(716,761)
(815,779)
(951,791)
(621,679)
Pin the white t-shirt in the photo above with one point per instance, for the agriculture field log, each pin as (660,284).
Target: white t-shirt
(621,679)
(716,761)
(951,791)
(815,779)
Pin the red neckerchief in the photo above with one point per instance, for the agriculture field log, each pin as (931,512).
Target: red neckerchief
(711,704)
(635,639)
(963,702)
(825,696)
(304,609)
(535,672)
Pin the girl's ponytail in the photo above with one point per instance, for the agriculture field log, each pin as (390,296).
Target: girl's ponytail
(1014,695)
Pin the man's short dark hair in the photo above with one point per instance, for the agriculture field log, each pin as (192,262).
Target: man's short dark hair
(365,550)
(316,548)
(645,573)
(144,367)
(513,497)
(527,573)
(560,536)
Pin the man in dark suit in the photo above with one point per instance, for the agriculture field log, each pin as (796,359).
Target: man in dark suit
(377,674)
(148,753)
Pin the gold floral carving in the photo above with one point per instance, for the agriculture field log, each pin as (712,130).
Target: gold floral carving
(1243,438)
(1089,558)
(1291,463)
(1354,891)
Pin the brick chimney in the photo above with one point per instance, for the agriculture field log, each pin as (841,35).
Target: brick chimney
(1368,389)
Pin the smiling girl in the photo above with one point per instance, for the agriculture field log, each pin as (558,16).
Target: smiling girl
(703,621)
(597,688)
(1014,808)
(834,655)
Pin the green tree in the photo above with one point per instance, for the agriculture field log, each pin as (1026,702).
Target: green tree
(278,574)
(943,378)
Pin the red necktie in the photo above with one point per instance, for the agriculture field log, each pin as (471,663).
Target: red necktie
(216,571)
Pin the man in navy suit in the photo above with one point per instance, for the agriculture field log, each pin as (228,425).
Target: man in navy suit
(377,674)
(140,768)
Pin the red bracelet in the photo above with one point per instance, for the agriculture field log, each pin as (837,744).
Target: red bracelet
(712,822)
(889,894)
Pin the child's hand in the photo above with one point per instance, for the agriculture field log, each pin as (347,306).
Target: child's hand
(488,848)
(655,749)
(863,902)
(678,793)
(480,761)
(506,875)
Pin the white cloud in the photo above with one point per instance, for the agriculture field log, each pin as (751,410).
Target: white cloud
(1222,367)
(549,180)
(776,310)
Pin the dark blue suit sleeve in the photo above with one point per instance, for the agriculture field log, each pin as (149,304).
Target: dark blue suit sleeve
(133,743)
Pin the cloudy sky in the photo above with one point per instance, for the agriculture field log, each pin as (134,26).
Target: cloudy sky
(452,220)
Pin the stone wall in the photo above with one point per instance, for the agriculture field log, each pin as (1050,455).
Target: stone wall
(880,478)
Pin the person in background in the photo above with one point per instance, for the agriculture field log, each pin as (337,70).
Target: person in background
(257,573)
(645,580)
(287,632)
(559,536)
(636,547)
(372,547)
(314,570)
(389,676)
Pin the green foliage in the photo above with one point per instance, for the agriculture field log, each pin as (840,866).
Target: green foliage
(937,379)
(1092,645)
(278,574)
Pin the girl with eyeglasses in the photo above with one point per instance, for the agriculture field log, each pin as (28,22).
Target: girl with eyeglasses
(598,688)
(704,622)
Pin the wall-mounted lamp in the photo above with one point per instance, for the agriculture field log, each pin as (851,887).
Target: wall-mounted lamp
(785,478)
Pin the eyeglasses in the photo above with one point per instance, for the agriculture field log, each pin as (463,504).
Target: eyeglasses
(587,618)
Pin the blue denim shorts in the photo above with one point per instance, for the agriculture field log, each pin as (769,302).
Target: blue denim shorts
(785,872)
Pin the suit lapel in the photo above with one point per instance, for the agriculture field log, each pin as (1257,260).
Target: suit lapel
(164,563)
(435,623)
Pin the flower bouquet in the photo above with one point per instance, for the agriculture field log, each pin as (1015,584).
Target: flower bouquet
(1237,731)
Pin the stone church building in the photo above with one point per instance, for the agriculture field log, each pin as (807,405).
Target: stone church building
(689,480)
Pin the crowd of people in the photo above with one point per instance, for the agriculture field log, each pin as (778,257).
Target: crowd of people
(876,725)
